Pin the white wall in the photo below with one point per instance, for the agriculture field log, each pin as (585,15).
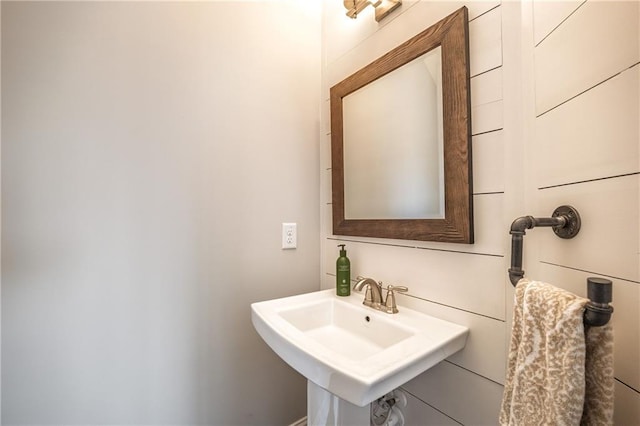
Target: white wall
(468,284)
(151,151)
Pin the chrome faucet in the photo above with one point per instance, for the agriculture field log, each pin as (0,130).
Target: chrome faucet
(373,296)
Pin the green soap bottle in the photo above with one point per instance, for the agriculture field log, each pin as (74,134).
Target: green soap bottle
(343,273)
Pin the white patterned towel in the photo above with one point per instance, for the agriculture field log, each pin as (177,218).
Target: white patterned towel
(556,375)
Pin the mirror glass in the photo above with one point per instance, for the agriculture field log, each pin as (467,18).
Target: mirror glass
(393,150)
(401,141)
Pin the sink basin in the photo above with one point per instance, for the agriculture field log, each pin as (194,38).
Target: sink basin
(353,351)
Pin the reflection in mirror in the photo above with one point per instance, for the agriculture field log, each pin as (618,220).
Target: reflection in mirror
(394,165)
(401,164)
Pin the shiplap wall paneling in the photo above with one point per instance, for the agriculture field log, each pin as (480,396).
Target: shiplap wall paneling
(592,136)
(325,169)
(485,40)
(588,117)
(432,275)
(466,397)
(488,163)
(484,351)
(487,219)
(549,15)
(608,239)
(486,98)
(418,413)
(627,405)
(602,34)
(486,87)
(487,117)
(325,121)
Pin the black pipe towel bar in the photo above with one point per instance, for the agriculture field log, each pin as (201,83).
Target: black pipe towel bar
(565,222)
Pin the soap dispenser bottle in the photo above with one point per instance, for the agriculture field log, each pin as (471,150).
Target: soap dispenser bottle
(343,273)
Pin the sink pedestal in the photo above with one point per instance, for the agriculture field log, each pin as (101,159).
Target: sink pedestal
(327,409)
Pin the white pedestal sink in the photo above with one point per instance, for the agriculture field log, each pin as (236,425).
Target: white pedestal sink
(352,354)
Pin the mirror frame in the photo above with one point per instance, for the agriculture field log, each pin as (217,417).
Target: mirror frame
(452,33)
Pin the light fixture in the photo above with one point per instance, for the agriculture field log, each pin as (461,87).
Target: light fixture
(382,7)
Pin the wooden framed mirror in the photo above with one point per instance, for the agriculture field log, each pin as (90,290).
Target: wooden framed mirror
(401,167)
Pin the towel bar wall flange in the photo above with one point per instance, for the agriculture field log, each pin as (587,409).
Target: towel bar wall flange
(565,222)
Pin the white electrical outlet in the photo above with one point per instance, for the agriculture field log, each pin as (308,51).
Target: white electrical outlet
(289,236)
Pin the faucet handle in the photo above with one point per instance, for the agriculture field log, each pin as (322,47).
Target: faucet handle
(390,300)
